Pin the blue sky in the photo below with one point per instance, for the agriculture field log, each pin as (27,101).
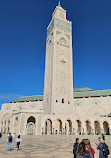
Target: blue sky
(23,26)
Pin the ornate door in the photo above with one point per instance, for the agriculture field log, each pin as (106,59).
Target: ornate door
(30,129)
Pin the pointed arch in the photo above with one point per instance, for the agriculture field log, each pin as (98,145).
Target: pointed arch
(68,129)
(88,127)
(97,127)
(31,119)
(79,126)
(96,111)
(106,127)
(48,126)
(63,41)
(31,125)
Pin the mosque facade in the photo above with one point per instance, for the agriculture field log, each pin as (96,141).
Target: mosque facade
(62,109)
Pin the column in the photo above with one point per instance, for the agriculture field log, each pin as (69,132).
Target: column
(73,127)
(92,128)
(76,127)
(101,127)
(53,127)
(83,128)
(63,127)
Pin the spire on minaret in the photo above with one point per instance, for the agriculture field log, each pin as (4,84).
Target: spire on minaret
(59,4)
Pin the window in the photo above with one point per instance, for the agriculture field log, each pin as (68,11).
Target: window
(68,102)
(62,100)
(56,101)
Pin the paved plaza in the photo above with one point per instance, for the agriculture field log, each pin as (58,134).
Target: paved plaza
(46,146)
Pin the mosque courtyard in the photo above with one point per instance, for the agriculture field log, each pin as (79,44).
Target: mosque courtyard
(46,146)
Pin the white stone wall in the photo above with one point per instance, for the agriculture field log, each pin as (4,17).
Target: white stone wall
(17,114)
(84,109)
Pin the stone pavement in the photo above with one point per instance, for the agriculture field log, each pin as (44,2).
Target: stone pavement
(46,146)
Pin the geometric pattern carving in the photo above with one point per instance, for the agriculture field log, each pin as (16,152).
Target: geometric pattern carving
(96,101)
(7,115)
(78,103)
(60,24)
(96,110)
(58,32)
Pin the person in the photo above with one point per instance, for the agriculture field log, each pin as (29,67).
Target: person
(75,147)
(18,140)
(12,135)
(82,153)
(0,137)
(9,142)
(103,136)
(100,147)
(88,147)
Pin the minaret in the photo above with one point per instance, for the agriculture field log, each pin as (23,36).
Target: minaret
(59,4)
(58,85)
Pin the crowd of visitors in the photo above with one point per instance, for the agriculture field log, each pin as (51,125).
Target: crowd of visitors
(84,149)
(10,139)
(81,149)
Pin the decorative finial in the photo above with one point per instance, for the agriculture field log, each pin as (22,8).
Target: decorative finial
(59,4)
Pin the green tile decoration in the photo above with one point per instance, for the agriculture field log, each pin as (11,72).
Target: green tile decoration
(68,36)
(77,92)
(50,27)
(62,38)
(58,32)
(28,98)
(60,24)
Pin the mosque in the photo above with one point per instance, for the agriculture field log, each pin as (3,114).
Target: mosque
(61,109)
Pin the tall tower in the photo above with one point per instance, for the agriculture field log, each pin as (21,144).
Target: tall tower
(58,85)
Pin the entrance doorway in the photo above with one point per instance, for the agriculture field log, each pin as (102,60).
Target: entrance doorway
(31,125)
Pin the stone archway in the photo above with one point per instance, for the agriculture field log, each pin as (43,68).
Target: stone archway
(2,127)
(106,127)
(48,126)
(69,126)
(31,125)
(97,127)
(5,127)
(78,126)
(58,126)
(88,127)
